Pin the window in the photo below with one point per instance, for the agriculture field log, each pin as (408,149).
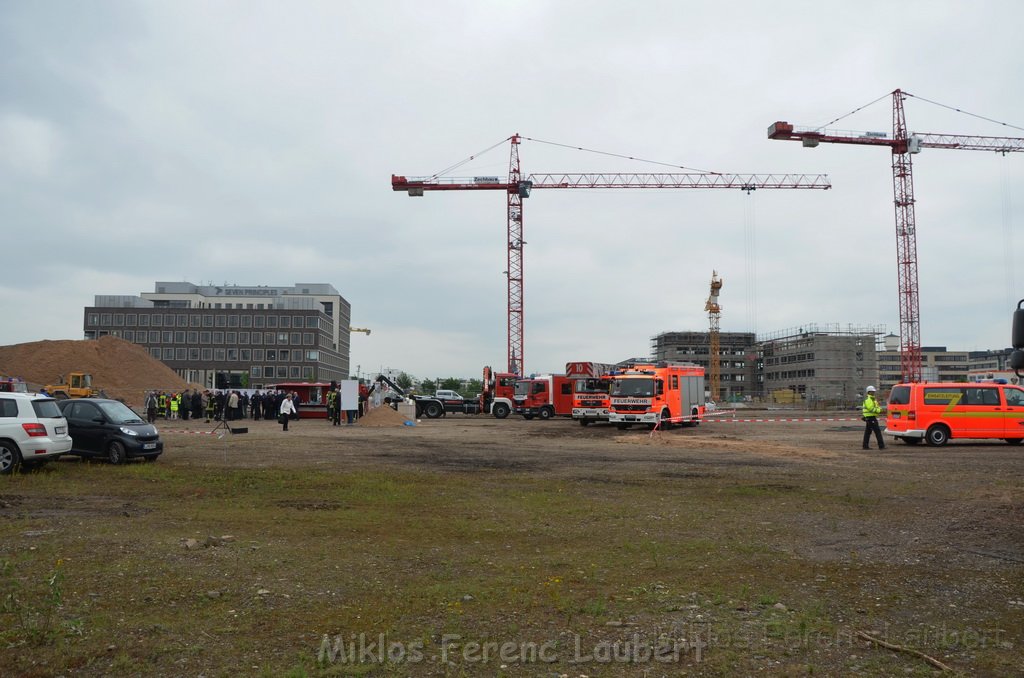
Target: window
(232,354)
(131,320)
(204,337)
(104,318)
(207,321)
(243,338)
(257,338)
(155,352)
(179,337)
(207,354)
(245,355)
(167,338)
(271,354)
(218,337)
(231,337)
(154,337)
(168,320)
(158,320)
(282,372)
(195,320)
(297,322)
(143,321)
(307,339)
(313,355)
(193,338)
(180,353)
(293,372)
(246,320)
(268,338)
(119,319)
(93,319)
(256,372)
(268,371)
(296,355)
(259,321)
(168,354)
(294,338)
(193,354)
(307,372)
(128,335)
(272,321)
(232,321)
(140,337)
(219,354)
(220,321)
(282,337)
(257,354)
(182,320)
(286,321)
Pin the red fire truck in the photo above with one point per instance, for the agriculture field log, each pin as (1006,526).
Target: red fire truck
(544,396)
(590,391)
(498,397)
(658,395)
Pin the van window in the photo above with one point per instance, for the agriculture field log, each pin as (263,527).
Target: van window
(981,396)
(1014,397)
(900,395)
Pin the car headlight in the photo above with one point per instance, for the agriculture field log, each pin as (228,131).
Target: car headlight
(128,431)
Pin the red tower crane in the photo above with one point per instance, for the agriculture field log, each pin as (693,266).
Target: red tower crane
(517,188)
(903,146)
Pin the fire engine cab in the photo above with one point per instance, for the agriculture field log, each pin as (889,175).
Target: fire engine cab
(658,395)
(590,390)
(544,396)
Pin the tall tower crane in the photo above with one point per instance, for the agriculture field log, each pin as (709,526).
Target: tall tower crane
(903,145)
(714,316)
(518,187)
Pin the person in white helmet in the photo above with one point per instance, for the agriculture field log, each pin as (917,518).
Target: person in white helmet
(870,411)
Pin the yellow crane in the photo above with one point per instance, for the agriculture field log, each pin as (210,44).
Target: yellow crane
(359,329)
(714,316)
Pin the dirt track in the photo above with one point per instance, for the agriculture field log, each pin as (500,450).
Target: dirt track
(962,501)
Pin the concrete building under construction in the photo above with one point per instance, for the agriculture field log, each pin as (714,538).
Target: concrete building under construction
(737,356)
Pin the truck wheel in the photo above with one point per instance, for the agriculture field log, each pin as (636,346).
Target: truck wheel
(433,410)
(500,410)
(1014,441)
(527,416)
(666,420)
(546,413)
(10,457)
(937,435)
(584,422)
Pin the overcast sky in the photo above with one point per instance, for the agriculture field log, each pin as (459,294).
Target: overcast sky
(253,143)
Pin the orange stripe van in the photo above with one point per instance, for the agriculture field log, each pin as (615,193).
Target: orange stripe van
(937,412)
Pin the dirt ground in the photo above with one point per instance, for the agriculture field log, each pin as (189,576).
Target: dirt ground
(946,523)
(961,503)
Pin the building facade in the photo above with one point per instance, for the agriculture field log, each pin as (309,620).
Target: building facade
(937,363)
(233,336)
(828,365)
(737,358)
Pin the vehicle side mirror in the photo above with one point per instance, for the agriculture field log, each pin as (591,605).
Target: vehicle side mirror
(99,420)
(1017,337)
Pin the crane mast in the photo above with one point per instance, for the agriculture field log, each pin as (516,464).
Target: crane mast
(517,188)
(714,317)
(902,145)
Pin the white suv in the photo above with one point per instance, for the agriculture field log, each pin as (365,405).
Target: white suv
(32,431)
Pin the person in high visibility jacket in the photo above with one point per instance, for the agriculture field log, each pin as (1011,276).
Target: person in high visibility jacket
(870,411)
(175,401)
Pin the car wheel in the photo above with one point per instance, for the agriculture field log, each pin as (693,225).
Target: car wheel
(115,453)
(501,410)
(937,436)
(1015,441)
(10,457)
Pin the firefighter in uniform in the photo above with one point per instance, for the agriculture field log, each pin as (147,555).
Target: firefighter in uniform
(333,411)
(870,411)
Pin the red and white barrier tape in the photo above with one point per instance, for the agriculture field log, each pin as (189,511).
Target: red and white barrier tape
(198,433)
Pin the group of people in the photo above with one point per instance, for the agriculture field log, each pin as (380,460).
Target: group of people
(217,405)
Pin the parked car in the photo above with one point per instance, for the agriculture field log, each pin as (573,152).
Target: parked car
(33,431)
(110,429)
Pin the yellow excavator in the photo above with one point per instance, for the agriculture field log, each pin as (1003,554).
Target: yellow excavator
(77,385)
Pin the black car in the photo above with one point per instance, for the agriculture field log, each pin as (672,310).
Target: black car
(109,428)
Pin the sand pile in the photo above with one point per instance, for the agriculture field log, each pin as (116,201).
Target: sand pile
(381,417)
(121,369)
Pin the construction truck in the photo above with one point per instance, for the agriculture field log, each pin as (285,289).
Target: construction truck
(426,406)
(77,385)
(590,390)
(657,394)
(498,396)
(544,396)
